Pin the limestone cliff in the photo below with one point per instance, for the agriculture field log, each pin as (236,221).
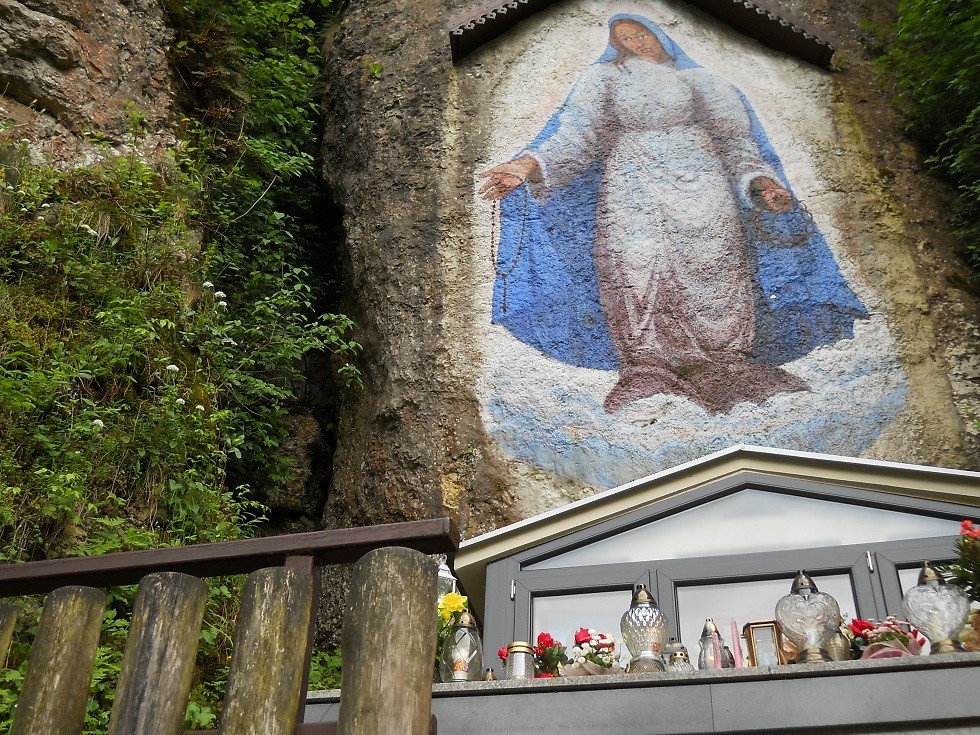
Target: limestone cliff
(407,132)
(69,72)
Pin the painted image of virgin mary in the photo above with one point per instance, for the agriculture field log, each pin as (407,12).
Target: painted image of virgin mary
(649,229)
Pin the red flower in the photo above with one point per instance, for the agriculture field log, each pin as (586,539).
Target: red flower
(965,526)
(502,653)
(860,627)
(582,636)
(545,640)
(544,675)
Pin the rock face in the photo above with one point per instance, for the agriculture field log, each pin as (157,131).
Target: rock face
(411,443)
(463,415)
(70,69)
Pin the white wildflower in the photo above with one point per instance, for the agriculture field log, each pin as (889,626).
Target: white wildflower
(222,303)
(99,423)
(208,284)
(172,368)
(180,401)
(220,294)
(45,206)
(199,407)
(85,228)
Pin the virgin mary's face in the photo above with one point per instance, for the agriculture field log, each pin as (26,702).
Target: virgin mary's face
(639,40)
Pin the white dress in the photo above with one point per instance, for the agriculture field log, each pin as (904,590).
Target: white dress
(674,275)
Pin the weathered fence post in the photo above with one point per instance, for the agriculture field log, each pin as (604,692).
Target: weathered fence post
(8,617)
(270,653)
(59,671)
(388,644)
(158,666)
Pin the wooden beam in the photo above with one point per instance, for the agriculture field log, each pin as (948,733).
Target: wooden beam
(263,694)
(158,666)
(59,671)
(313,728)
(8,618)
(307,565)
(434,536)
(389,644)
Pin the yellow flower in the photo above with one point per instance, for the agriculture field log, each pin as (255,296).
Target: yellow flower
(450,604)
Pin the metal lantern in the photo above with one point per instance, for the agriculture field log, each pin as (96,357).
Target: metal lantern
(520,661)
(712,655)
(808,617)
(672,646)
(644,629)
(446,580)
(938,610)
(838,646)
(462,656)
(680,662)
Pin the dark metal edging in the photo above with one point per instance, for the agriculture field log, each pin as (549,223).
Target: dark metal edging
(779,31)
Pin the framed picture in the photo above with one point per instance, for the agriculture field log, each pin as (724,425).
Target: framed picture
(764,642)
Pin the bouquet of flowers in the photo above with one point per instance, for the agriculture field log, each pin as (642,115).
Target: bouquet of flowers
(965,572)
(593,653)
(549,657)
(889,638)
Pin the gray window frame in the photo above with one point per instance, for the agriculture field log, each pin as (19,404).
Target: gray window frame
(873,567)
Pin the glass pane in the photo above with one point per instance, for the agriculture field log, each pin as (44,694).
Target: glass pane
(908,578)
(562,615)
(753,521)
(744,602)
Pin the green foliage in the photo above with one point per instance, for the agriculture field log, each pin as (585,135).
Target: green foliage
(965,571)
(325,670)
(152,323)
(933,57)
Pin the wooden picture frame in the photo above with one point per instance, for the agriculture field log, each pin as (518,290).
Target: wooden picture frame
(764,643)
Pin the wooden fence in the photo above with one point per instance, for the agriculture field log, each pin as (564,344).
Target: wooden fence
(388,634)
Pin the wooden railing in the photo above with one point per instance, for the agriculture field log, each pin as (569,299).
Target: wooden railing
(388,632)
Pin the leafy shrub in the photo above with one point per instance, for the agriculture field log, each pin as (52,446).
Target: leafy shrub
(933,57)
(152,322)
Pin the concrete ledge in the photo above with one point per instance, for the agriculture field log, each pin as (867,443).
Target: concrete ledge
(935,694)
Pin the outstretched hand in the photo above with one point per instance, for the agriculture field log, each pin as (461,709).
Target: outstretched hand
(505,178)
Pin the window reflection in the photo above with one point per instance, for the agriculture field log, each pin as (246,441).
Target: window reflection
(562,615)
(778,522)
(744,602)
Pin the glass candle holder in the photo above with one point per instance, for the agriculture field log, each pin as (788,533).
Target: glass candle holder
(644,629)
(808,617)
(461,658)
(938,610)
(680,662)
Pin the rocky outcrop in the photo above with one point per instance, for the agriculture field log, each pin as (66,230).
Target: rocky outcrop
(410,443)
(407,133)
(73,71)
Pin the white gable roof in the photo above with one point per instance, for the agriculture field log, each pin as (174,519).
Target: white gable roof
(913,481)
